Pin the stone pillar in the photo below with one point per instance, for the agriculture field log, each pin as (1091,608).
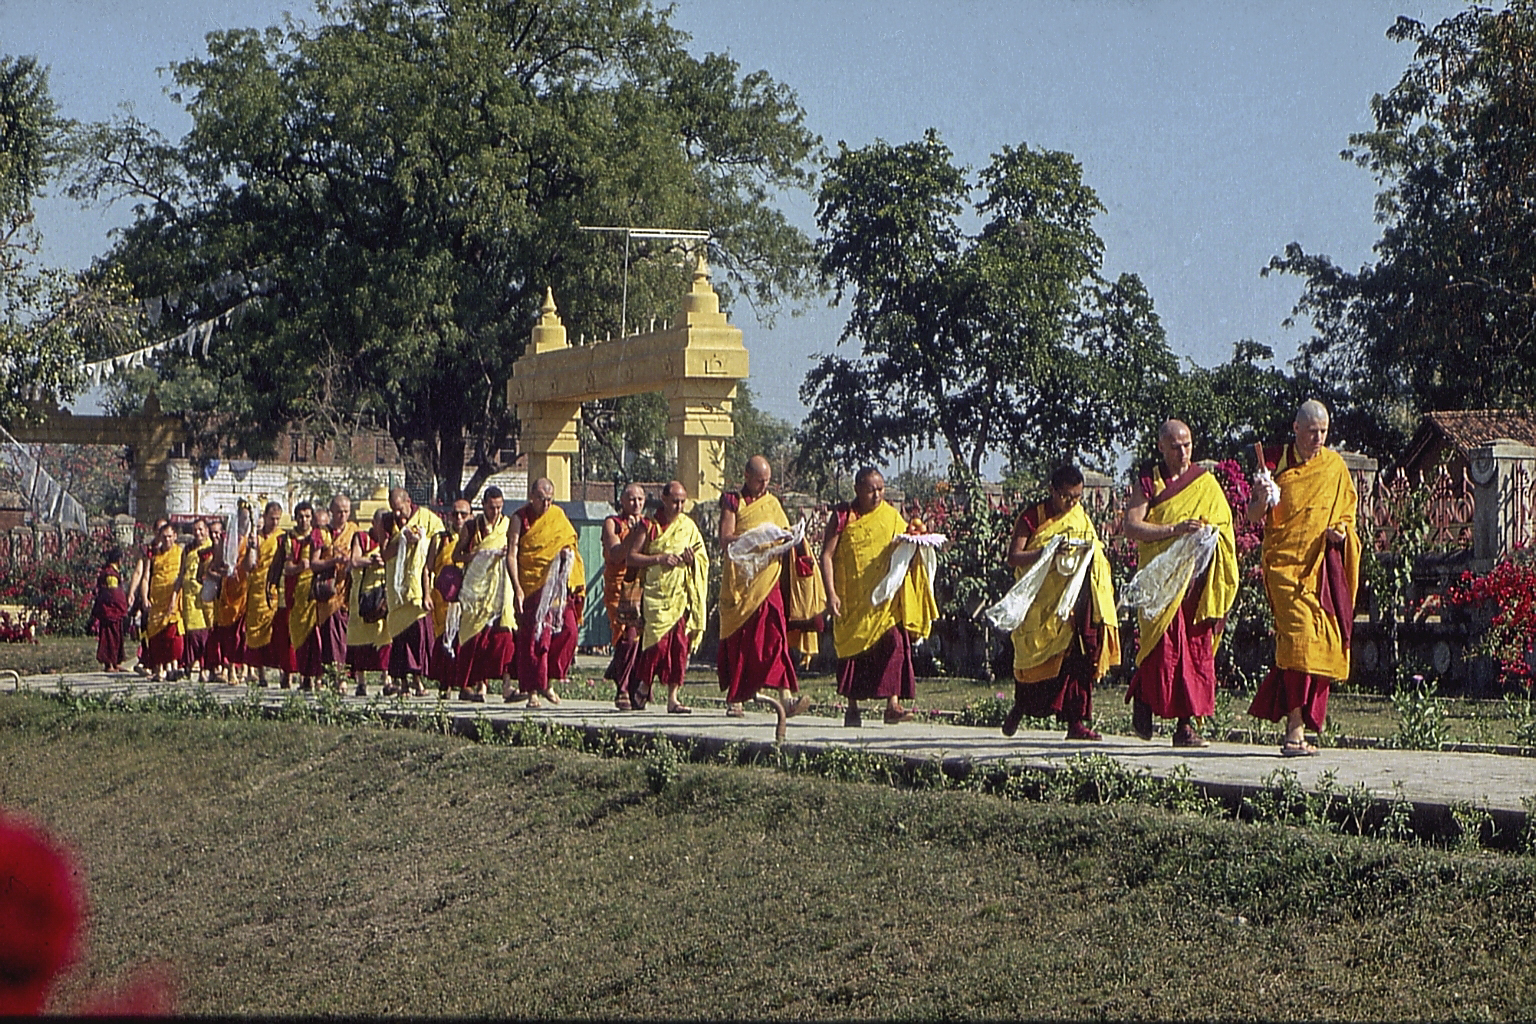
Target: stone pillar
(700,419)
(549,427)
(1502,472)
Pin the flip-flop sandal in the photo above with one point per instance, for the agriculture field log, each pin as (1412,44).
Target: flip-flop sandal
(1302,749)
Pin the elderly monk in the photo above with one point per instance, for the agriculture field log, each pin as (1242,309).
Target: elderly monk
(488,609)
(873,639)
(620,598)
(162,631)
(225,656)
(1057,659)
(1305,497)
(447,571)
(330,561)
(261,556)
(669,550)
(410,591)
(196,614)
(1175,673)
(289,573)
(368,642)
(549,587)
(754,635)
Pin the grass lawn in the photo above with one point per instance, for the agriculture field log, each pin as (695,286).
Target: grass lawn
(287,868)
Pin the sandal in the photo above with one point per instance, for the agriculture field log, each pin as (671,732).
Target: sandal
(735,711)
(1293,748)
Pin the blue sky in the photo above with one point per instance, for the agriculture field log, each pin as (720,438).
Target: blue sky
(1211,130)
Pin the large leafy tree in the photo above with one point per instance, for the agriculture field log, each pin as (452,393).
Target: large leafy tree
(401,183)
(1006,340)
(1445,316)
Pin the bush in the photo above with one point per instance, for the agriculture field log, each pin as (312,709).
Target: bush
(1507,596)
(63,588)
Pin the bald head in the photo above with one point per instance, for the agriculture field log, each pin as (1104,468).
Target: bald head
(1311,411)
(673,497)
(1311,428)
(757,476)
(1175,446)
(541,495)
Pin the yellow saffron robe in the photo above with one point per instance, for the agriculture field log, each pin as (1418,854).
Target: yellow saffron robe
(861,561)
(303,613)
(230,607)
(407,603)
(1314,496)
(1041,640)
(338,544)
(487,593)
(360,633)
(448,542)
(1202,499)
(539,544)
(741,597)
(164,603)
(196,613)
(671,593)
(260,595)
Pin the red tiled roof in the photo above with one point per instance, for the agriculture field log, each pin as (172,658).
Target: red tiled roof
(1468,428)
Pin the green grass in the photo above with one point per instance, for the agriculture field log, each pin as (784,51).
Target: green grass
(289,868)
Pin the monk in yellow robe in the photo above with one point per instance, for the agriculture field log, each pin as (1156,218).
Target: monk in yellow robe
(549,586)
(300,549)
(873,638)
(1069,635)
(447,571)
(196,614)
(755,544)
(225,657)
(1305,497)
(163,643)
(669,550)
(619,585)
(487,602)
(1176,657)
(368,642)
(261,593)
(330,559)
(410,591)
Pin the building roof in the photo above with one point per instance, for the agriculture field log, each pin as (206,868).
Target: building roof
(1465,429)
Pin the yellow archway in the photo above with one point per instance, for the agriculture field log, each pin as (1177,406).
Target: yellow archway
(696,363)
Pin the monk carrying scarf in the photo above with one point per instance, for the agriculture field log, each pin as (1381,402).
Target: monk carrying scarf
(446,568)
(755,542)
(330,559)
(1305,497)
(261,596)
(669,550)
(225,656)
(108,611)
(880,597)
(299,551)
(1060,612)
(621,587)
(410,591)
(1182,524)
(162,649)
(550,586)
(368,642)
(196,613)
(487,603)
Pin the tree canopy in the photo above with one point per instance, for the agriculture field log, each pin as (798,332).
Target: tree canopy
(1445,315)
(1007,340)
(400,184)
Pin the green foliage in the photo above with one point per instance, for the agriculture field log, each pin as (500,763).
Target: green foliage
(400,183)
(1421,715)
(1441,318)
(64,588)
(1230,406)
(662,765)
(1006,341)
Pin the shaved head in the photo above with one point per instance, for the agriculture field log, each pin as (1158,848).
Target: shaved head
(1312,411)
(1171,429)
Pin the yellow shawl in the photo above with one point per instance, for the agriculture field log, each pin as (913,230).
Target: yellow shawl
(548,535)
(303,614)
(741,597)
(360,633)
(1314,496)
(671,593)
(862,559)
(230,607)
(407,602)
(261,597)
(338,545)
(1202,499)
(164,608)
(487,590)
(1040,642)
(195,612)
(448,543)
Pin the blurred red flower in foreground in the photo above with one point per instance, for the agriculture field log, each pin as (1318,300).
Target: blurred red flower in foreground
(41,911)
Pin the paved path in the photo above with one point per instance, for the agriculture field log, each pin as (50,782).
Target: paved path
(1433,781)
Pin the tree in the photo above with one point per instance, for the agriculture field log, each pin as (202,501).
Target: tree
(402,182)
(51,321)
(1443,317)
(1230,406)
(1005,340)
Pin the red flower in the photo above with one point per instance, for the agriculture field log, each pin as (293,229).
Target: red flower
(41,911)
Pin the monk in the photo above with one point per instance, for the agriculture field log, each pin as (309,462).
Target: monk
(1175,673)
(295,618)
(138,593)
(620,598)
(261,557)
(1057,659)
(410,591)
(330,554)
(549,584)
(487,609)
(447,572)
(162,630)
(226,656)
(669,549)
(108,611)
(368,642)
(873,638)
(754,635)
(1305,497)
(196,614)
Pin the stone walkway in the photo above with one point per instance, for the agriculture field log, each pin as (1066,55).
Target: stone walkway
(1433,781)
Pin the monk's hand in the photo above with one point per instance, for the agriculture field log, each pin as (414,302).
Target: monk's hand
(686,558)
(1263,481)
(1187,527)
(834,606)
